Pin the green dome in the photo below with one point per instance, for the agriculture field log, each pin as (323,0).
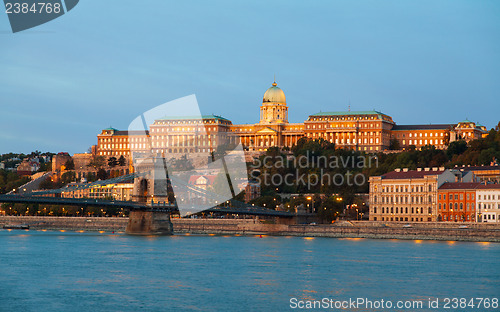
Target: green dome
(274,95)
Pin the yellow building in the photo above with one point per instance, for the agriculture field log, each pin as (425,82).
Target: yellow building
(356,130)
(273,128)
(116,191)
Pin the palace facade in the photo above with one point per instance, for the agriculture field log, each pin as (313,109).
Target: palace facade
(369,131)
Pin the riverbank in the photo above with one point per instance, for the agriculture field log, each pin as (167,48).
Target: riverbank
(344,229)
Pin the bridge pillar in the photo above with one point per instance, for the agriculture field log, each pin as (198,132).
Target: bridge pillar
(150,183)
(142,222)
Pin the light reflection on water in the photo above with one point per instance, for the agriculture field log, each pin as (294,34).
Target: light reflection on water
(70,271)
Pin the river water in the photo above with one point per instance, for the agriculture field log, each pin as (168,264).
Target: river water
(70,271)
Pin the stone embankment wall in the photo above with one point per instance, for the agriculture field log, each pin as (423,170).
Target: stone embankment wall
(67,223)
(361,229)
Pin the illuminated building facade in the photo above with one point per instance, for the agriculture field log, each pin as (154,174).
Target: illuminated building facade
(410,195)
(457,202)
(488,203)
(369,131)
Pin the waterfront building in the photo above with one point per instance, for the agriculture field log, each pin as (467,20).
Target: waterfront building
(488,203)
(114,191)
(355,130)
(410,195)
(457,202)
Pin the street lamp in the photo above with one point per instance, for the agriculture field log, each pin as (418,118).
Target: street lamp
(312,203)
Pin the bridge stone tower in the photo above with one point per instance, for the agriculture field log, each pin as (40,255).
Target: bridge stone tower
(150,183)
(150,187)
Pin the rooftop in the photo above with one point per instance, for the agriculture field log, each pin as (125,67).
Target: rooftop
(410,174)
(422,127)
(126,132)
(489,187)
(479,168)
(460,186)
(193,117)
(372,112)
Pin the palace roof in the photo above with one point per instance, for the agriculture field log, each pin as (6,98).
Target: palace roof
(422,127)
(373,112)
(193,117)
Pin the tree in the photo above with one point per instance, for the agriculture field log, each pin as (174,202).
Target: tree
(112,162)
(456,148)
(48,184)
(68,176)
(220,184)
(97,162)
(69,165)
(265,201)
(394,144)
(122,161)
(330,209)
(102,174)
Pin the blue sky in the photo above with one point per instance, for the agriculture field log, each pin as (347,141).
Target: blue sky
(105,62)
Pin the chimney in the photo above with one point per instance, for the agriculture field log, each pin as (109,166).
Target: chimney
(419,169)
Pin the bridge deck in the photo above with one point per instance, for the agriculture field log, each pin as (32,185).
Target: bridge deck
(83,202)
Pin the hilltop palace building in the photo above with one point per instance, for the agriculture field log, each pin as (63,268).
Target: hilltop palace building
(369,131)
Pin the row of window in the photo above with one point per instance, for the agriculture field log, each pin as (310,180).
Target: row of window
(456,218)
(470,196)
(423,142)
(342,125)
(402,199)
(193,122)
(405,210)
(457,206)
(488,217)
(488,197)
(123,139)
(178,129)
(488,206)
(341,118)
(403,219)
(403,188)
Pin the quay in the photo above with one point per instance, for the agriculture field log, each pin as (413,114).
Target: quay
(474,232)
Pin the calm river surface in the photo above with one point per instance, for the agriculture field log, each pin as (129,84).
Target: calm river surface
(69,271)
